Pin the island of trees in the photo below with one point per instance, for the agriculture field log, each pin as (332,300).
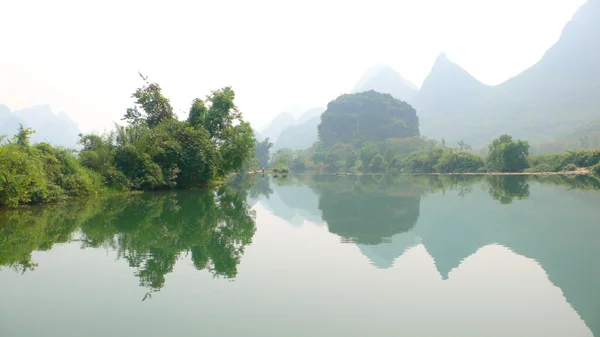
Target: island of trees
(154,150)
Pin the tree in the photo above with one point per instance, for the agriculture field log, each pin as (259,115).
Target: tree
(395,165)
(334,161)
(238,146)
(23,135)
(222,112)
(283,158)
(378,164)
(507,155)
(367,153)
(351,159)
(388,154)
(263,154)
(198,113)
(464,147)
(154,105)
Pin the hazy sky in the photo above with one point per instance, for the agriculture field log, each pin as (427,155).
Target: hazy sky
(82,57)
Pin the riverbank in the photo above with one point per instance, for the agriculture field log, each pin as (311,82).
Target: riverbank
(579,171)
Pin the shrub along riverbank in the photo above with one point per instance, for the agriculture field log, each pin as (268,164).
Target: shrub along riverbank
(419,155)
(153,151)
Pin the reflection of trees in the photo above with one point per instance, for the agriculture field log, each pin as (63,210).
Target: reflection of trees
(255,184)
(36,228)
(150,231)
(507,188)
(365,210)
(576,182)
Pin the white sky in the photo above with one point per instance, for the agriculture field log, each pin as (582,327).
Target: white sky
(82,57)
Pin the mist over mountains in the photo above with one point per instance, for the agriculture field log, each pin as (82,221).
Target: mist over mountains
(56,129)
(386,80)
(557,94)
(285,131)
(552,98)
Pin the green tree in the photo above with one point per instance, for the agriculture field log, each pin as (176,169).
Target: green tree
(351,159)
(388,154)
(198,113)
(221,113)
(395,165)
(23,136)
(238,146)
(263,152)
(464,147)
(378,164)
(367,153)
(283,158)
(507,155)
(156,107)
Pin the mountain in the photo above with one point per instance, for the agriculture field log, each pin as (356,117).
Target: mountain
(367,116)
(56,129)
(303,134)
(310,115)
(555,95)
(278,124)
(446,90)
(386,80)
(5,113)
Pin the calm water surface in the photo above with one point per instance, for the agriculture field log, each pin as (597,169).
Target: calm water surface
(310,256)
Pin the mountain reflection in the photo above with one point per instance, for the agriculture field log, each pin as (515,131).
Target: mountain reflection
(149,231)
(551,219)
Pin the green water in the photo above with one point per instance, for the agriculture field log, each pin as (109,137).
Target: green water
(310,256)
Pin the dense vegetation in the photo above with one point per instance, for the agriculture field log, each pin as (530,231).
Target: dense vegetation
(367,116)
(583,137)
(153,151)
(41,173)
(419,155)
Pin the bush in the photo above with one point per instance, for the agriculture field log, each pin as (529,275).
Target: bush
(42,173)
(378,164)
(21,176)
(571,167)
(541,168)
(395,165)
(139,168)
(453,162)
(596,169)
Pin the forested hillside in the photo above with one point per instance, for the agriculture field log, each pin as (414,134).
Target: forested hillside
(367,116)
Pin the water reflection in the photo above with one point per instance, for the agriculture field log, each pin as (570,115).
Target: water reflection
(446,237)
(149,231)
(551,219)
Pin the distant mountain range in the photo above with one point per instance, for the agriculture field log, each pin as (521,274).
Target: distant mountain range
(552,98)
(386,80)
(56,129)
(286,131)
